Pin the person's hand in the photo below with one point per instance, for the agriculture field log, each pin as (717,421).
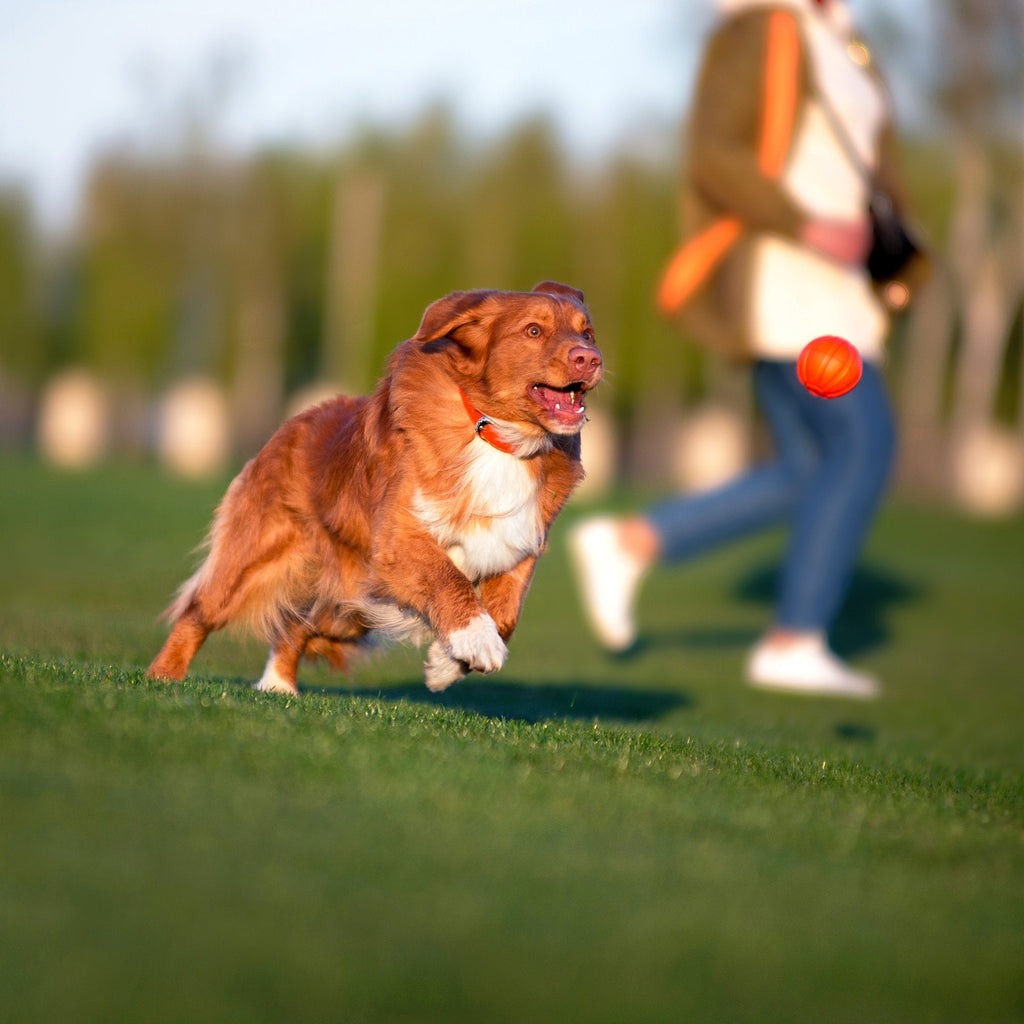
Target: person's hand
(846,241)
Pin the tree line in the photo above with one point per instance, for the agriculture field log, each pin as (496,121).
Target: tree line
(279,270)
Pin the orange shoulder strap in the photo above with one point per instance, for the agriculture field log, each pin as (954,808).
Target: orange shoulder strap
(779,108)
(696,258)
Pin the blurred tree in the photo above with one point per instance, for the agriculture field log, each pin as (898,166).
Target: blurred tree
(256,259)
(301,185)
(151,288)
(963,370)
(982,95)
(20,353)
(352,286)
(423,173)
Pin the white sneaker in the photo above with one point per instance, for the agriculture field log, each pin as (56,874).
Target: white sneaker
(807,666)
(608,577)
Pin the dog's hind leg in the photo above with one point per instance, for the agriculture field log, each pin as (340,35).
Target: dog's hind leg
(282,672)
(335,652)
(180,647)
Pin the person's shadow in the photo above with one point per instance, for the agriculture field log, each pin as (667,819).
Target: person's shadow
(860,626)
(862,621)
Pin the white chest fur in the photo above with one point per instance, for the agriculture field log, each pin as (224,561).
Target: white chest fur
(503,526)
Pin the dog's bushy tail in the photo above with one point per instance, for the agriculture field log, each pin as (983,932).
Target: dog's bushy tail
(183,597)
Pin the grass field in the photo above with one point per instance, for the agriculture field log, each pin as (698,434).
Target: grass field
(578,838)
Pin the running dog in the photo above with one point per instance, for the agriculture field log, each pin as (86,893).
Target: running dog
(415,513)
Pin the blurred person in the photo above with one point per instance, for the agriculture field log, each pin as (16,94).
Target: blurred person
(776,210)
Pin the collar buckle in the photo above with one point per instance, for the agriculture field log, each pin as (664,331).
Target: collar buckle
(483,426)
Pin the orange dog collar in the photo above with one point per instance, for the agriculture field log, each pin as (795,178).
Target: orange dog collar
(484,427)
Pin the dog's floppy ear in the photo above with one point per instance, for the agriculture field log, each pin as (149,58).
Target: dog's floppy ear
(554,288)
(446,315)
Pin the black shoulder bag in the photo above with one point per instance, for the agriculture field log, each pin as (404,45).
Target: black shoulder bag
(892,245)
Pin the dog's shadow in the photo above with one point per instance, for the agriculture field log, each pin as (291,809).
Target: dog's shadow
(532,702)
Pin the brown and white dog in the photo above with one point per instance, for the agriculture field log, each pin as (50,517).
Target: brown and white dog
(418,511)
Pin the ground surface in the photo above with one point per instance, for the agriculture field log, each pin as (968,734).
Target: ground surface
(576,838)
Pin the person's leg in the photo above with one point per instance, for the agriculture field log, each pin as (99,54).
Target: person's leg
(830,523)
(839,503)
(612,555)
(691,525)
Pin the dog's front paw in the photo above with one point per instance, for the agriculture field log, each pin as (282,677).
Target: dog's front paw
(441,668)
(478,645)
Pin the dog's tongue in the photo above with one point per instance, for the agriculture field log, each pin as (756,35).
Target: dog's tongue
(566,406)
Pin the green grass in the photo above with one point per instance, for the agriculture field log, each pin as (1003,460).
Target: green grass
(578,838)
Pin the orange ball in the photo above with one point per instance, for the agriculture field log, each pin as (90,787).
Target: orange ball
(829,366)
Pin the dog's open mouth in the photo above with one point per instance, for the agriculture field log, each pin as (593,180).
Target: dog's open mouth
(566,405)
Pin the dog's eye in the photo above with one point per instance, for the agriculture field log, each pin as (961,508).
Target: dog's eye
(587,334)
(533,331)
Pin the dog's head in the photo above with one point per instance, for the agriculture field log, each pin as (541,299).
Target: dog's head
(527,358)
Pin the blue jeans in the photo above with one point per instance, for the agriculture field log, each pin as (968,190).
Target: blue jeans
(826,481)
